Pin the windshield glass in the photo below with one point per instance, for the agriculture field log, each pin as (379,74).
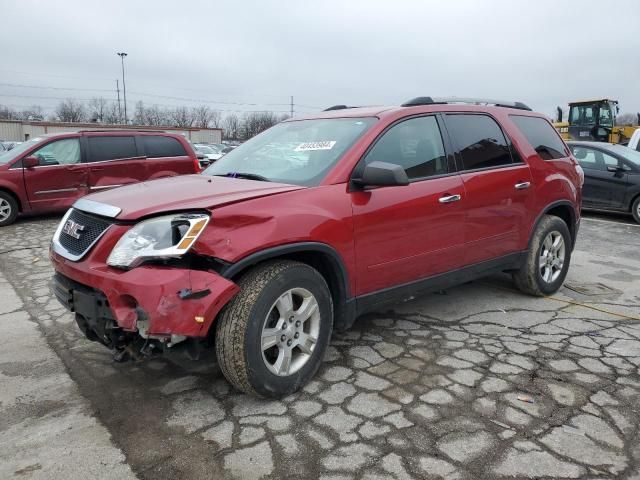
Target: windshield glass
(298,152)
(626,152)
(18,150)
(204,149)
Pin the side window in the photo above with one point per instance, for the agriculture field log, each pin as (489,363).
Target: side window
(541,136)
(60,152)
(587,158)
(479,141)
(111,148)
(611,161)
(415,145)
(156,146)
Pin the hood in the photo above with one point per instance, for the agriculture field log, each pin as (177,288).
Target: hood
(186,192)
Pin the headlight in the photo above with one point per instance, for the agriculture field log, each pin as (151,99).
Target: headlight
(162,237)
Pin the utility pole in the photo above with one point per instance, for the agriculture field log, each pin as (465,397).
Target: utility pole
(291,106)
(119,106)
(124,86)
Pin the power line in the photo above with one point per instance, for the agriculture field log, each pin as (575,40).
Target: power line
(145,94)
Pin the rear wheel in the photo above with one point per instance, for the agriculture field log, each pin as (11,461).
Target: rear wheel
(635,210)
(8,209)
(547,260)
(271,338)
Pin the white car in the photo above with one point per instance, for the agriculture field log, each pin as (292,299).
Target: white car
(209,151)
(634,143)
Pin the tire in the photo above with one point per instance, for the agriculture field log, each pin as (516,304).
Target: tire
(263,303)
(635,209)
(541,280)
(8,209)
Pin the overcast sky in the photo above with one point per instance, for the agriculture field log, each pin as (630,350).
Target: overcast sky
(243,52)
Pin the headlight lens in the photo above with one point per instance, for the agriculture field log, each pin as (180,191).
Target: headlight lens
(170,236)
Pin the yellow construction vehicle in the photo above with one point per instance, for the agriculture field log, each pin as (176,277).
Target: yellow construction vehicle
(594,120)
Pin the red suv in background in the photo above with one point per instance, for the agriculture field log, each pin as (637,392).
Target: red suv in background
(51,172)
(314,222)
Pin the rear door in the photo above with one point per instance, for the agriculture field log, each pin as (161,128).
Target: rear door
(406,233)
(166,156)
(497,184)
(114,160)
(60,178)
(602,188)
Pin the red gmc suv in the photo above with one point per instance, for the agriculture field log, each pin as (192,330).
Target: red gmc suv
(313,222)
(49,173)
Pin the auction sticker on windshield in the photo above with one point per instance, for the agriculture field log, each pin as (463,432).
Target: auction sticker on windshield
(307,146)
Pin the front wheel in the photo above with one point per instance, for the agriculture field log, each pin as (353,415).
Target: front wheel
(547,259)
(635,210)
(8,209)
(272,336)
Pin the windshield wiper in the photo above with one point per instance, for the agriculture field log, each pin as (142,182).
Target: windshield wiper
(248,176)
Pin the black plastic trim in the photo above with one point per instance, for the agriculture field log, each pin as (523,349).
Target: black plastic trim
(374,300)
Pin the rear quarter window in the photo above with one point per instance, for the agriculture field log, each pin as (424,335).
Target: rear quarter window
(111,148)
(157,146)
(541,136)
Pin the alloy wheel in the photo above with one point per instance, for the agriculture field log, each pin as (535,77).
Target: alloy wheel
(290,332)
(552,256)
(5,210)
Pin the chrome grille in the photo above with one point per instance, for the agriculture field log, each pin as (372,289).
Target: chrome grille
(92,229)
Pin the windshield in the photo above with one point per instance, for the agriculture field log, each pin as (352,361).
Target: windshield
(18,150)
(298,152)
(204,149)
(626,152)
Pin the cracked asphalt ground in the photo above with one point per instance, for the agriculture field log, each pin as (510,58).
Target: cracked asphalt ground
(476,382)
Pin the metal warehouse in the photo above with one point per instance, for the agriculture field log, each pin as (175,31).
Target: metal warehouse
(19,131)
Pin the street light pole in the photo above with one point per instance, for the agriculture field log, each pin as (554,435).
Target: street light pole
(124,87)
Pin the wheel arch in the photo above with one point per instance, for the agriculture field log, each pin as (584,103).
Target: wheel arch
(564,210)
(14,195)
(324,258)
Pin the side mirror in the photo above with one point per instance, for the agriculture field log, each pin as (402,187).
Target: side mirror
(30,162)
(614,169)
(382,174)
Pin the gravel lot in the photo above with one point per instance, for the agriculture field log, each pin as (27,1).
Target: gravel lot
(476,382)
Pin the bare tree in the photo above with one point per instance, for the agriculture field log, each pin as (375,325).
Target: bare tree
(71,110)
(6,113)
(202,116)
(97,108)
(139,114)
(182,117)
(256,122)
(216,119)
(112,113)
(231,126)
(627,118)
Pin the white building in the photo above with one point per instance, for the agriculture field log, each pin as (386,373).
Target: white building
(19,131)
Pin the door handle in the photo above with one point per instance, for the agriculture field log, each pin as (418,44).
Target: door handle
(449,198)
(522,185)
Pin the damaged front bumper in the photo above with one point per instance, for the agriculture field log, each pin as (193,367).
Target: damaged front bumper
(159,303)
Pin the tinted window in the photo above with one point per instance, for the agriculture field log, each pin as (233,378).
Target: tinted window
(156,146)
(479,141)
(542,136)
(60,152)
(415,145)
(587,158)
(111,148)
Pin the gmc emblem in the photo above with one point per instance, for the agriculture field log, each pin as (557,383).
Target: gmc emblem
(73,229)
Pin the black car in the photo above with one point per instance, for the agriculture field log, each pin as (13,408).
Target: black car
(612,177)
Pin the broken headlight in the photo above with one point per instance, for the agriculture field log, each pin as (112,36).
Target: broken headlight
(169,236)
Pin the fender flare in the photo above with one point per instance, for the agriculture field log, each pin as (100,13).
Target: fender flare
(344,310)
(573,228)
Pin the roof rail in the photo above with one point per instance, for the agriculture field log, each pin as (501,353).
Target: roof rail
(336,107)
(473,101)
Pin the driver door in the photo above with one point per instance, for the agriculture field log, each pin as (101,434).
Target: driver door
(59,179)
